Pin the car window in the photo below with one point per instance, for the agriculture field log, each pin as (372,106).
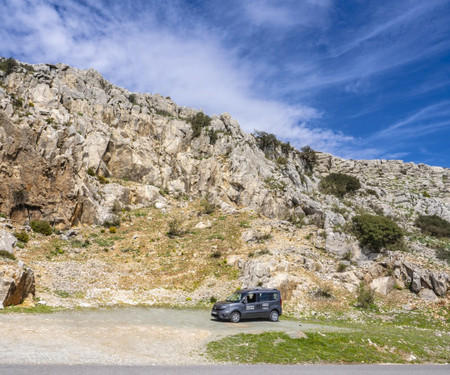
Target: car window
(251,298)
(273,296)
(264,297)
(235,297)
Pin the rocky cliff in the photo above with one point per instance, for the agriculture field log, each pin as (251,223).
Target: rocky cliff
(75,149)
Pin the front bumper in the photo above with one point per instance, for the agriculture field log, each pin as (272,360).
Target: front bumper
(220,314)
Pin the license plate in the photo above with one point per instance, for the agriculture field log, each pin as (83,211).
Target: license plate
(214,313)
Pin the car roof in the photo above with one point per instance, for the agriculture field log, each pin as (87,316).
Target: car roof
(248,290)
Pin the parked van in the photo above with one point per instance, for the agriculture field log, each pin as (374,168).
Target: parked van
(248,304)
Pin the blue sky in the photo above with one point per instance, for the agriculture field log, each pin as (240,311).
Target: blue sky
(359,79)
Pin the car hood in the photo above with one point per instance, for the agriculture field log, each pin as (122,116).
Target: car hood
(218,305)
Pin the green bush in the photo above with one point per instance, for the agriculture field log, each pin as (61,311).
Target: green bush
(339,184)
(41,226)
(377,232)
(365,296)
(433,225)
(198,122)
(22,236)
(309,157)
(175,228)
(8,65)
(90,172)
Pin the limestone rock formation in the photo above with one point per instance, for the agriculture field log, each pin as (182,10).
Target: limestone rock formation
(75,149)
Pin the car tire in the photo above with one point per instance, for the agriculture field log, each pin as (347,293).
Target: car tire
(273,316)
(235,317)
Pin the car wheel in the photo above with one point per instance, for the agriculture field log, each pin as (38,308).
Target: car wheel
(235,317)
(273,317)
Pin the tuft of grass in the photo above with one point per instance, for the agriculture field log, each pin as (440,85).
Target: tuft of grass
(365,296)
(7,255)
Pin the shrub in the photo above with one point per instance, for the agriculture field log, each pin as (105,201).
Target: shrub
(198,122)
(112,230)
(102,180)
(41,226)
(377,232)
(8,65)
(22,236)
(339,184)
(216,254)
(213,299)
(6,254)
(323,292)
(90,172)
(132,98)
(175,228)
(433,225)
(365,296)
(341,267)
(207,207)
(309,157)
(213,136)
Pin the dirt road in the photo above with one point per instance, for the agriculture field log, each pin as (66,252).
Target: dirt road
(121,336)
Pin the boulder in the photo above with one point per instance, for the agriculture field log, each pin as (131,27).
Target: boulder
(439,284)
(383,285)
(416,284)
(428,295)
(14,289)
(7,241)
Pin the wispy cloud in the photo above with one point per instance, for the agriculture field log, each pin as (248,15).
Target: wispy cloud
(264,62)
(424,121)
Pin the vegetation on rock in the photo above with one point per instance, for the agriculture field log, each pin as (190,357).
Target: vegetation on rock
(433,225)
(339,184)
(376,232)
(8,65)
(198,122)
(41,226)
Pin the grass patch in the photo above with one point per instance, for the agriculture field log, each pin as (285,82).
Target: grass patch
(38,309)
(369,344)
(6,254)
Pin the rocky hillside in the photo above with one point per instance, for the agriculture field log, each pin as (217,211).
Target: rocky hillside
(77,151)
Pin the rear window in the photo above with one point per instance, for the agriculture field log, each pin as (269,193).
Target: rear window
(273,296)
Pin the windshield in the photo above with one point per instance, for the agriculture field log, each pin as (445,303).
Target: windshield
(235,297)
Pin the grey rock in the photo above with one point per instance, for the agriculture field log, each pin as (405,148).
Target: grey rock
(416,284)
(428,295)
(383,285)
(439,284)
(7,241)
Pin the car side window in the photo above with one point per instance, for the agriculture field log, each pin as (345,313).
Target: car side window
(251,298)
(264,297)
(273,296)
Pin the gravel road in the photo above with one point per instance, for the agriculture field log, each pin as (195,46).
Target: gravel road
(122,336)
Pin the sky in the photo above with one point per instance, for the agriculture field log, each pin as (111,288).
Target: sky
(361,79)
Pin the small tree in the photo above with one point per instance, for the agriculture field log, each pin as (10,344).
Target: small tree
(198,122)
(309,157)
(377,232)
(365,296)
(339,184)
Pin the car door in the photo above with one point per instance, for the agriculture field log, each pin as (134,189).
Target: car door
(251,309)
(264,304)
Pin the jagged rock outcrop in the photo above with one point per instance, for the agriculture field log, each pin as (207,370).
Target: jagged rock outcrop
(75,149)
(16,283)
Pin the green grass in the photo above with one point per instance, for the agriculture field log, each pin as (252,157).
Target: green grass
(38,309)
(366,344)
